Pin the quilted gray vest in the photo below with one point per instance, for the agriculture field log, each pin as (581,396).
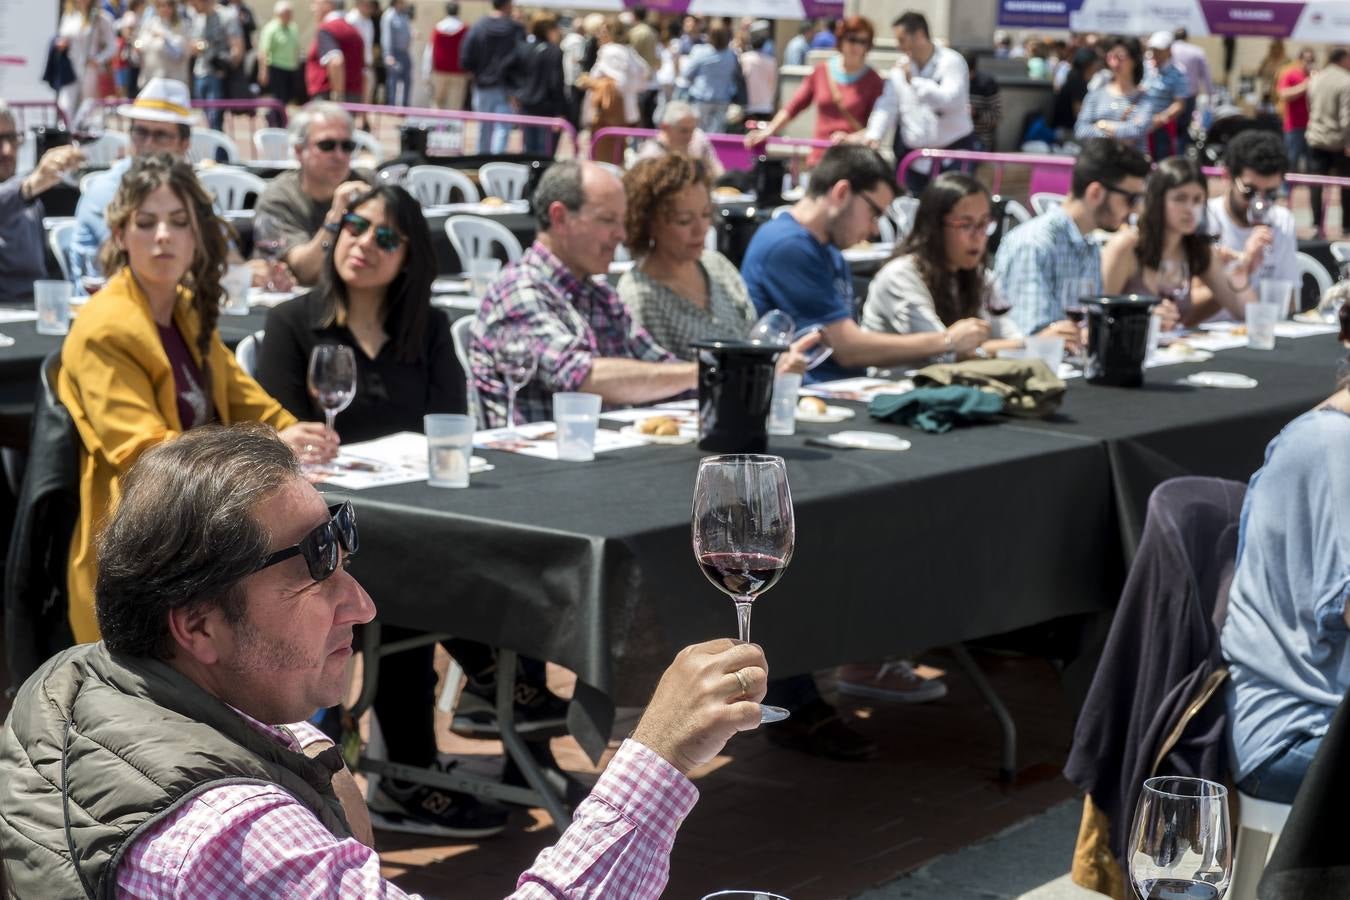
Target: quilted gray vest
(99,747)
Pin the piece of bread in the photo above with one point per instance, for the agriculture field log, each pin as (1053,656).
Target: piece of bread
(812,406)
(493,201)
(661,426)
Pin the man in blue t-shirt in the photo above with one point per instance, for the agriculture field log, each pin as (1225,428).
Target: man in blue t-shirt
(794,262)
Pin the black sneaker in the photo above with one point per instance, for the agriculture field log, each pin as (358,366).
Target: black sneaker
(539,713)
(412,808)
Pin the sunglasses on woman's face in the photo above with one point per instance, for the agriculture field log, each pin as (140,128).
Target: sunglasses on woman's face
(386,238)
(328,145)
(320,546)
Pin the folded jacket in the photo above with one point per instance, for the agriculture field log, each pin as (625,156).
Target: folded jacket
(936,409)
(1027,386)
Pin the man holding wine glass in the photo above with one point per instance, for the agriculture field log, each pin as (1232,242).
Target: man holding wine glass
(22,254)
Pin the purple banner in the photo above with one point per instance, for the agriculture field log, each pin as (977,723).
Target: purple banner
(823,9)
(1036,13)
(1244,17)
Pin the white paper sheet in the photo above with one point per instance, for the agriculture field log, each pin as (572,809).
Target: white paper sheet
(539,439)
(396,459)
(17,315)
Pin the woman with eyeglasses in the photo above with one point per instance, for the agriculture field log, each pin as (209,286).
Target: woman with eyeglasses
(937,289)
(144,362)
(1167,251)
(843,90)
(163,44)
(1119,109)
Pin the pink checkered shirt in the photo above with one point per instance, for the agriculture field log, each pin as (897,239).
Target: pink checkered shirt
(252,840)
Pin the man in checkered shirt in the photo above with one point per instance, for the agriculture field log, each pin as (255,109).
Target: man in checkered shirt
(155,763)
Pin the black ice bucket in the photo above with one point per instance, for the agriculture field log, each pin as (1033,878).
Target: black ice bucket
(735,387)
(1117,338)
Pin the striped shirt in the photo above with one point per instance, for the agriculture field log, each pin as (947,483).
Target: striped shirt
(1133,112)
(1035,263)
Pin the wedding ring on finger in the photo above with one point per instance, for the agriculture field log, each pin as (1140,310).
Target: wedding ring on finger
(745,685)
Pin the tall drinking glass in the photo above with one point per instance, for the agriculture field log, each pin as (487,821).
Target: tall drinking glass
(1180,846)
(516,362)
(743,532)
(332,382)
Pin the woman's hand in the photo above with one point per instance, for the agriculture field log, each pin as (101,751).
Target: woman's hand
(755,138)
(311,442)
(1168,315)
(967,334)
(1072,334)
(794,361)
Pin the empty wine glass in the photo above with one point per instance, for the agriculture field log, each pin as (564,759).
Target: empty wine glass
(778,328)
(1180,845)
(332,382)
(743,532)
(268,243)
(1174,281)
(516,362)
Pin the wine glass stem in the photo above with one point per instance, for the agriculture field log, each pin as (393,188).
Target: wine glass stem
(330,415)
(510,405)
(743,607)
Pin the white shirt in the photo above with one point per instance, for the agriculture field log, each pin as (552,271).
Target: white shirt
(1280,261)
(942,86)
(364,27)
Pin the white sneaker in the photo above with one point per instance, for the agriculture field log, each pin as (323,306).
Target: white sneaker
(896,681)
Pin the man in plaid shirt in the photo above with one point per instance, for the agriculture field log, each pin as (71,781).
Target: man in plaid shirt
(153,764)
(582,335)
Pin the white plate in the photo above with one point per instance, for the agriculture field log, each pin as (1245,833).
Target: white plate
(1221,380)
(682,438)
(831,414)
(868,440)
(259,297)
(450,284)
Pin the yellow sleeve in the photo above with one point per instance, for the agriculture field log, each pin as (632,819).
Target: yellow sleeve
(247,400)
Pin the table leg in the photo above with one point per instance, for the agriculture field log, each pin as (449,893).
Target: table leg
(1008,768)
(515,744)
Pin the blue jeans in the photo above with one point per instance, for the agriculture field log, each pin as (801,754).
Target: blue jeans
(492,137)
(1296,148)
(1278,778)
(211,87)
(400,73)
(538,140)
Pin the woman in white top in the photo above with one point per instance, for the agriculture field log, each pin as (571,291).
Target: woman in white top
(162,44)
(937,289)
(87,35)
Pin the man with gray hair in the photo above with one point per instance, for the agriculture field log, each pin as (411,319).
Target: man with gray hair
(172,759)
(680,134)
(582,334)
(22,254)
(303,208)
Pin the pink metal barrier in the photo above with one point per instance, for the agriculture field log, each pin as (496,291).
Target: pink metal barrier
(730,148)
(554,124)
(35,112)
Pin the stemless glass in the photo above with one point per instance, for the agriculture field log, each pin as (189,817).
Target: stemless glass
(332,381)
(1180,846)
(516,362)
(743,532)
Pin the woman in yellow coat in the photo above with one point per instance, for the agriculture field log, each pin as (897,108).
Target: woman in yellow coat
(144,361)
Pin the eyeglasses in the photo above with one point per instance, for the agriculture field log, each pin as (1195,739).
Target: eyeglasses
(1248,192)
(320,546)
(386,238)
(142,135)
(12,137)
(857,39)
(972,227)
(877,211)
(1131,197)
(328,145)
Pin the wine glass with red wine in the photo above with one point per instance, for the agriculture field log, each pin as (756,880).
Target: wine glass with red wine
(1180,846)
(996,302)
(743,532)
(1072,294)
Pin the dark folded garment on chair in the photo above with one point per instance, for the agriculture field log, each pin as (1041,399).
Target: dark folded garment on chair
(1027,386)
(936,409)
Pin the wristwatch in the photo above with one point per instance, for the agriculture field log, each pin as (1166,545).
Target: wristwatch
(332,228)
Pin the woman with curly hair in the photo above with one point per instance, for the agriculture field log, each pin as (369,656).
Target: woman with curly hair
(144,361)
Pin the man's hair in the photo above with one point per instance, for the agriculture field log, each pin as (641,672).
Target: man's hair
(541,24)
(639,13)
(185,533)
(912,22)
(1179,34)
(561,182)
(316,109)
(1337,56)
(1252,149)
(862,167)
(1106,161)
(452,8)
(500,5)
(676,111)
(719,37)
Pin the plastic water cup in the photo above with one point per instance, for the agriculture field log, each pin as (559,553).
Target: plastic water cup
(576,417)
(236,282)
(1261,319)
(52,301)
(482,272)
(1154,337)
(783,406)
(1048,349)
(449,449)
(1279,294)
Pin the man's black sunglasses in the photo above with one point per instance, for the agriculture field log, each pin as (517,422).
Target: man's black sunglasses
(386,238)
(328,145)
(1131,197)
(1249,192)
(320,546)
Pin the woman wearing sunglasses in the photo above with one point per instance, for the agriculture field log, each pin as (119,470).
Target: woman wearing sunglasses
(1167,251)
(937,290)
(374,295)
(144,361)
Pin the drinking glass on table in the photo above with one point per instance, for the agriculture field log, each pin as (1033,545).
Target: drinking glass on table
(332,383)
(269,244)
(1279,294)
(1180,845)
(743,532)
(516,362)
(1072,294)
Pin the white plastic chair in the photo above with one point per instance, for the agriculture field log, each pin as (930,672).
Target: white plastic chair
(272,144)
(505,180)
(474,236)
(710,238)
(902,211)
(461,338)
(205,143)
(1043,201)
(435,185)
(886,230)
(231,187)
(1013,209)
(106,150)
(1340,251)
(1309,267)
(366,143)
(58,239)
(1258,831)
(246,354)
